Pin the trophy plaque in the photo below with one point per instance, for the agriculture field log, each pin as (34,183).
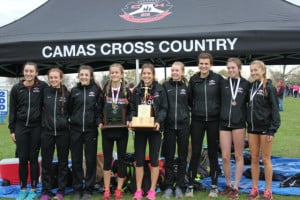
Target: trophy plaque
(144,118)
(114,117)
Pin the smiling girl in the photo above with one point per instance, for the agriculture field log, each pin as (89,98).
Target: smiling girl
(263,120)
(156,98)
(55,132)
(115,107)
(176,130)
(25,126)
(85,118)
(234,97)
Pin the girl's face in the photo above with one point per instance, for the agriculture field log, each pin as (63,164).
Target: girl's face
(115,74)
(84,77)
(29,72)
(256,72)
(233,70)
(176,72)
(147,76)
(204,65)
(54,79)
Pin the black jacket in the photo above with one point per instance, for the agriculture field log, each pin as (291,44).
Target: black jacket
(25,105)
(234,116)
(263,112)
(84,107)
(160,102)
(55,110)
(178,116)
(205,96)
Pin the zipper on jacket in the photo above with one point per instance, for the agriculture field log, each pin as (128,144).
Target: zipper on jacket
(205,96)
(83,114)
(54,113)
(28,110)
(229,121)
(252,125)
(176,93)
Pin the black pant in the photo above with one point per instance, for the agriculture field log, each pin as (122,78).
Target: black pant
(198,129)
(28,140)
(48,146)
(140,141)
(88,141)
(169,146)
(109,136)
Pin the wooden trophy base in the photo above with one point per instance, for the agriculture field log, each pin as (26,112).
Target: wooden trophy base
(142,123)
(114,126)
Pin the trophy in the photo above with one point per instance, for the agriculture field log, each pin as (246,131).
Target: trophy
(114,116)
(144,118)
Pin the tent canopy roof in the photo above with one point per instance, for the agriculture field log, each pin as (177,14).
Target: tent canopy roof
(97,32)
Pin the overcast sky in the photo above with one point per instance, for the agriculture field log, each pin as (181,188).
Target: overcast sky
(11,10)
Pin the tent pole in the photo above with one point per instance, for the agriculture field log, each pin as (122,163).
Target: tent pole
(137,64)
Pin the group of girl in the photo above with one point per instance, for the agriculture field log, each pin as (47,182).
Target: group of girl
(70,120)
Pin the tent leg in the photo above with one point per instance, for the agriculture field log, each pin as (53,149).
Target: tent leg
(137,65)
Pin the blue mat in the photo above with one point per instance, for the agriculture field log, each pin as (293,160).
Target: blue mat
(281,166)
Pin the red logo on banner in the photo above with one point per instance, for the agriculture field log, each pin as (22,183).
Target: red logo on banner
(144,11)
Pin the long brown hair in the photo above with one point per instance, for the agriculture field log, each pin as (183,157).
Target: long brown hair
(148,65)
(237,61)
(262,66)
(62,89)
(36,80)
(88,67)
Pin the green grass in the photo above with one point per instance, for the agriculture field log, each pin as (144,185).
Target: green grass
(286,144)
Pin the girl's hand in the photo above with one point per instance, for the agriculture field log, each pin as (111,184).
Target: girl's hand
(100,126)
(269,138)
(128,123)
(13,137)
(157,126)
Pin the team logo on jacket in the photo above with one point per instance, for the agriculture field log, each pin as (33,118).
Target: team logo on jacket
(182,91)
(212,82)
(144,11)
(36,89)
(295,2)
(91,94)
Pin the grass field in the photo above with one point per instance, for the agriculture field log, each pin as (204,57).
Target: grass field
(286,144)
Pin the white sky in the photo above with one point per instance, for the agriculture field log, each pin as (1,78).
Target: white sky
(11,10)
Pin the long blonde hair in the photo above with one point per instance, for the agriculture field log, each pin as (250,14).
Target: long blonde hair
(123,83)
(181,65)
(262,66)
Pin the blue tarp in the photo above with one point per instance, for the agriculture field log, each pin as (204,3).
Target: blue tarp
(281,166)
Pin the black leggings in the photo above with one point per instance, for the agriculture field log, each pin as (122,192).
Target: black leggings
(140,141)
(198,129)
(28,140)
(48,146)
(109,136)
(88,141)
(171,137)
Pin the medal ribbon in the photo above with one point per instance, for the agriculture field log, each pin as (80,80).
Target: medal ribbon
(234,94)
(253,93)
(115,99)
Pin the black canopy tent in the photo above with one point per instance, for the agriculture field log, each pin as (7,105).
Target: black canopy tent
(67,33)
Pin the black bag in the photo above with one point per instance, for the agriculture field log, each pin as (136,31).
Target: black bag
(293,181)
(130,180)
(275,177)
(203,167)
(54,175)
